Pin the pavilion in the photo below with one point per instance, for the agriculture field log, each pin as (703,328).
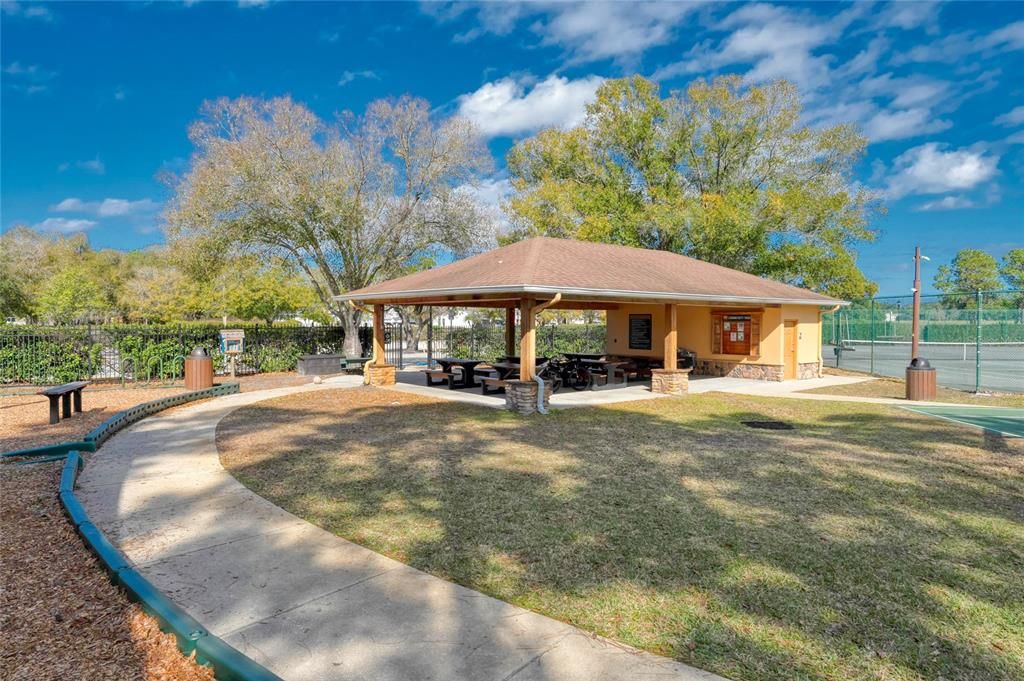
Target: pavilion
(655,302)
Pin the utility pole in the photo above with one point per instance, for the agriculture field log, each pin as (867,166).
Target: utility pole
(920,376)
(915,333)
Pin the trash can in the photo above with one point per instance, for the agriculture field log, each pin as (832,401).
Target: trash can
(921,380)
(199,370)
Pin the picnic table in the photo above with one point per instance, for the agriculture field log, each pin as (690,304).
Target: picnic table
(465,367)
(579,356)
(64,393)
(607,367)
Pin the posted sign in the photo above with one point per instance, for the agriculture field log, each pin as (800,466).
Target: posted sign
(232,341)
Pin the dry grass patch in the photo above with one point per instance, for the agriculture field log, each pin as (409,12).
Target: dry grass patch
(868,543)
(896,389)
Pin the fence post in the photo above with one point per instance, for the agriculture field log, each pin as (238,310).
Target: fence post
(977,345)
(430,336)
(872,338)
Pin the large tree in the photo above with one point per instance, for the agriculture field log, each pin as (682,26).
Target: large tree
(971,270)
(349,203)
(723,172)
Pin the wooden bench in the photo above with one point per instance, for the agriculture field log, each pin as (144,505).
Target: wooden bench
(490,385)
(64,393)
(439,376)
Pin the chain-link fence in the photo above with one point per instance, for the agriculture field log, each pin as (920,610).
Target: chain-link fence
(974,340)
(146,353)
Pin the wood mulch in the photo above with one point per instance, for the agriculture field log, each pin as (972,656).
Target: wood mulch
(60,616)
(25,417)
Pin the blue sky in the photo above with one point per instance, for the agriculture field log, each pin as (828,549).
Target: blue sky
(97,98)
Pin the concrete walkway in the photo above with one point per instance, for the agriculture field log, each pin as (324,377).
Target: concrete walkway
(302,601)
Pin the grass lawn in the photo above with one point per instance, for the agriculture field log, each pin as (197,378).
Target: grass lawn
(868,543)
(892,387)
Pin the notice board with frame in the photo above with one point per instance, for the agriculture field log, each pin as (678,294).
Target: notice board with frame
(641,331)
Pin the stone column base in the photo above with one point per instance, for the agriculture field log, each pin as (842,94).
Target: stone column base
(521,396)
(379,374)
(670,381)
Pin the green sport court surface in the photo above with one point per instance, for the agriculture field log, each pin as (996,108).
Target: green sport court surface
(1003,420)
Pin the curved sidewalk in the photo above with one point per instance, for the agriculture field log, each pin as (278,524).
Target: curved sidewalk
(303,602)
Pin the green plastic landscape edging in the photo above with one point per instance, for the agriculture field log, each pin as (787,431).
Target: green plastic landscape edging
(51,450)
(228,663)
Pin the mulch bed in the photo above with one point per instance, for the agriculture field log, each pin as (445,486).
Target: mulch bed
(61,617)
(25,417)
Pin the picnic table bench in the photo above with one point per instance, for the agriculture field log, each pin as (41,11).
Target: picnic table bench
(64,393)
(457,372)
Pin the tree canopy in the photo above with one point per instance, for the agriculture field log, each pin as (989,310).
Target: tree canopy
(722,171)
(348,203)
(971,270)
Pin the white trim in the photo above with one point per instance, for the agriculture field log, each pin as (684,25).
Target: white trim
(607,293)
(953,419)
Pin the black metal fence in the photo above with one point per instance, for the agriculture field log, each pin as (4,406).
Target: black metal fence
(487,341)
(146,353)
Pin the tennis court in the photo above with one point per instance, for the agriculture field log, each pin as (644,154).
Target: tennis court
(1003,420)
(1002,364)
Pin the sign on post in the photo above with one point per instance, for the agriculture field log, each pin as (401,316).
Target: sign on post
(232,344)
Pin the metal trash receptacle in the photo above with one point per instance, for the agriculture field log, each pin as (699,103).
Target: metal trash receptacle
(199,370)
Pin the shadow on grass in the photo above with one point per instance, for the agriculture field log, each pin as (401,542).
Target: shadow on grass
(866,543)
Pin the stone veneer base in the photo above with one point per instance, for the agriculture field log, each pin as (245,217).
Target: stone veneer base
(670,381)
(760,372)
(521,396)
(380,374)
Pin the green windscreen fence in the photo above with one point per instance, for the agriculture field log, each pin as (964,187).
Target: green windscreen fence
(974,340)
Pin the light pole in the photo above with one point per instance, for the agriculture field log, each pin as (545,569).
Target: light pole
(920,377)
(915,334)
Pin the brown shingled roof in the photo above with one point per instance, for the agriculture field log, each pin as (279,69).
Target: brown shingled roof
(545,266)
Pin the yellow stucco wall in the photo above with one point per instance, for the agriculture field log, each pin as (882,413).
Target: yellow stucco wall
(808,331)
(694,332)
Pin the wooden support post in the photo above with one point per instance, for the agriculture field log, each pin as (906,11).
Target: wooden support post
(527,340)
(671,321)
(378,335)
(510,331)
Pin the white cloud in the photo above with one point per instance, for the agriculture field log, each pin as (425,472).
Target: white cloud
(28,78)
(587,31)
(1014,116)
(930,169)
(909,16)
(505,107)
(94,166)
(107,207)
(489,195)
(947,203)
(901,124)
(348,76)
(253,3)
(592,31)
(64,225)
(26,10)
(778,42)
(955,47)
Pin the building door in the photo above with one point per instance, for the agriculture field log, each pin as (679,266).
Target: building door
(789,348)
